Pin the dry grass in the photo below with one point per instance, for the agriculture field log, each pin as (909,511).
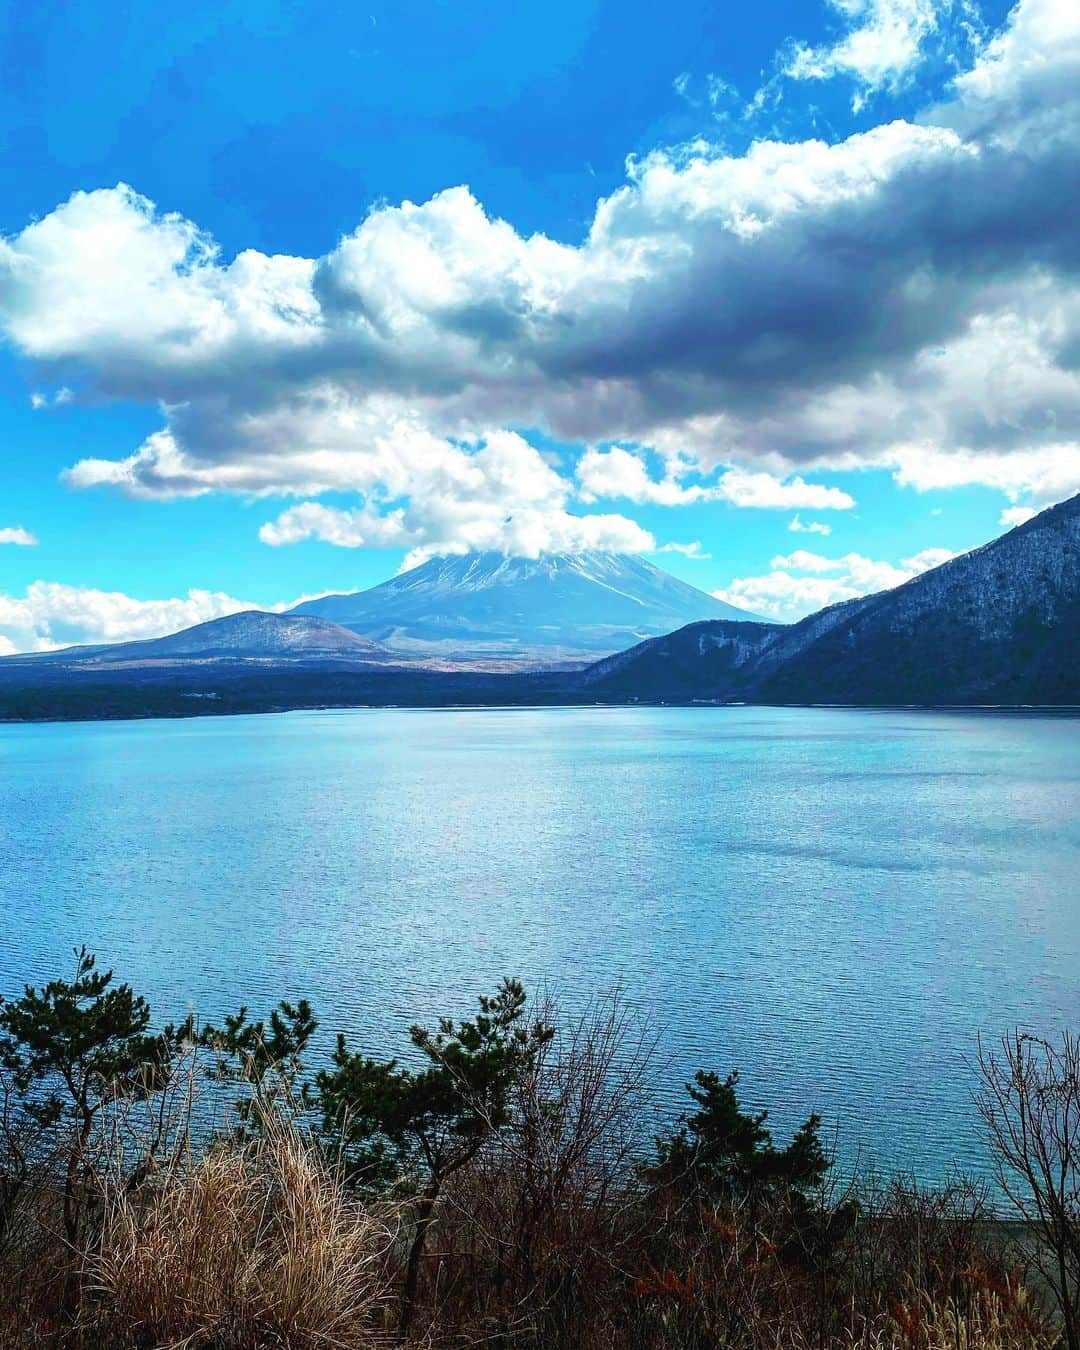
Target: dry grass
(921,1325)
(260,1245)
(251,1246)
(546,1240)
(989,1322)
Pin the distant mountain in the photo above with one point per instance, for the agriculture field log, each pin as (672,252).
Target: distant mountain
(555,607)
(250,634)
(998,625)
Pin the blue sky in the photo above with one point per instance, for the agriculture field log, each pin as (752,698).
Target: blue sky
(783,296)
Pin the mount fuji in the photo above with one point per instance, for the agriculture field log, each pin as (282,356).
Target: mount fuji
(556,608)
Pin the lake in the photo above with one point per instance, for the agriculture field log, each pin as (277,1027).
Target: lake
(835,902)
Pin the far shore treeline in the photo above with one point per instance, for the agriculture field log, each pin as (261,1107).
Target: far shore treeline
(502,1182)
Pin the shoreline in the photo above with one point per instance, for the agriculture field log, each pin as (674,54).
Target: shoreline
(1065,711)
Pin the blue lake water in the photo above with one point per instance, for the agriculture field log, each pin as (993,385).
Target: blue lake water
(835,902)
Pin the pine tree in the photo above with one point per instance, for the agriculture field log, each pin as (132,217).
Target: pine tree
(395,1123)
(726,1153)
(72,1048)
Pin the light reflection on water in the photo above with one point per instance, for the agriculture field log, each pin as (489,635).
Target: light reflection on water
(835,902)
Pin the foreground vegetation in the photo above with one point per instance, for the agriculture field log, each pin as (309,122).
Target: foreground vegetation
(196,1186)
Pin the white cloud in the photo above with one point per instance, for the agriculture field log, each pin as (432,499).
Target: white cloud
(528,532)
(617,473)
(927,558)
(807,562)
(497,492)
(1024,78)
(691,550)
(358,528)
(723,310)
(797,526)
(1044,476)
(51,615)
(880,49)
(1017,515)
(15,534)
(784,596)
(802,582)
(771,493)
(40,401)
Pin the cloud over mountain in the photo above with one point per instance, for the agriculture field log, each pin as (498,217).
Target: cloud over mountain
(906,297)
(802,582)
(50,615)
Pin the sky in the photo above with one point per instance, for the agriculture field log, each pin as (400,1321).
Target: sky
(784,296)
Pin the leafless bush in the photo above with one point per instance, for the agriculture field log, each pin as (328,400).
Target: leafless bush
(998,1320)
(544,1222)
(1030,1104)
(912,1236)
(28,1158)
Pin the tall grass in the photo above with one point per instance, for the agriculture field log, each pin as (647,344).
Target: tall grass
(258,1244)
(549,1239)
(250,1245)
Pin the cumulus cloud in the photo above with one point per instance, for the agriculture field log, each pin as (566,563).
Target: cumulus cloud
(801,582)
(927,558)
(621,473)
(50,615)
(527,533)
(1024,80)
(806,561)
(357,528)
(766,491)
(906,297)
(497,492)
(15,534)
(616,473)
(1043,476)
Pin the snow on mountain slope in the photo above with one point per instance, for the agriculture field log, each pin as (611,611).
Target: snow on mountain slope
(488,604)
(1000,624)
(707,655)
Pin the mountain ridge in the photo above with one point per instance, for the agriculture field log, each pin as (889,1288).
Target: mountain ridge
(252,633)
(1000,623)
(494,605)
(997,626)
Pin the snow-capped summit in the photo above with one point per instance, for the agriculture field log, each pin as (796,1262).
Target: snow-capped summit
(556,606)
